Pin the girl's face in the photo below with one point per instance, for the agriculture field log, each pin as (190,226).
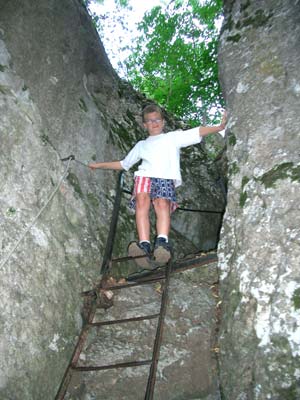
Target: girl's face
(154,123)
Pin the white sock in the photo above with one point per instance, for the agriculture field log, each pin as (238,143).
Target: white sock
(164,237)
(144,241)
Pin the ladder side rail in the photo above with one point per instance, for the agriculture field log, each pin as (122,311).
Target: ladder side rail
(158,338)
(75,355)
(113,226)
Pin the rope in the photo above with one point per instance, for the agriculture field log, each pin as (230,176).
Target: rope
(36,217)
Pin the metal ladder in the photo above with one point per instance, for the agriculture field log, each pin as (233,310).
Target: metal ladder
(90,324)
(91,296)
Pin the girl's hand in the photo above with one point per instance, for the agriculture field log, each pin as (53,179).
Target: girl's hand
(92,166)
(224,119)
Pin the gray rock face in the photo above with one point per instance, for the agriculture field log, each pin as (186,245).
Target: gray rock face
(59,96)
(259,251)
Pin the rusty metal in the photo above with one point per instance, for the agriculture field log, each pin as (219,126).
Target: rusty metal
(72,157)
(159,274)
(148,277)
(126,258)
(114,366)
(113,226)
(76,353)
(94,292)
(200,211)
(180,266)
(152,276)
(176,264)
(157,343)
(158,338)
(125,320)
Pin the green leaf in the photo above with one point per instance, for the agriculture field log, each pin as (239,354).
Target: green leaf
(175,59)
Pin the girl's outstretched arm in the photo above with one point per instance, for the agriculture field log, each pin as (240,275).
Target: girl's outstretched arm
(206,130)
(106,165)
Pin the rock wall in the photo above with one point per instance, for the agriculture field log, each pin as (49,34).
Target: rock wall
(60,96)
(259,250)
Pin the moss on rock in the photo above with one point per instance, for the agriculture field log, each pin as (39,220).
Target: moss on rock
(290,393)
(74,181)
(243,198)
(233,168)
(257,20)
(93,200)
(296,299)
(83,105)
(11,211)
(244,195)
(234,38)
(281,171)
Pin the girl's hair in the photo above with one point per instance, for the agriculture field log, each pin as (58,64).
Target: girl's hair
(150,109)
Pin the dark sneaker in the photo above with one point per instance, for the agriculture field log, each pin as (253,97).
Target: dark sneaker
(138,250)
(162,251)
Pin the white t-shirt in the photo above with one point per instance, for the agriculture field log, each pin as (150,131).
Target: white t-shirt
(160,154)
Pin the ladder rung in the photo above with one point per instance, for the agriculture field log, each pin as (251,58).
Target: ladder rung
(134,284)
(112,366)
(179,266)
(120,321)
(127,258)
(147,281)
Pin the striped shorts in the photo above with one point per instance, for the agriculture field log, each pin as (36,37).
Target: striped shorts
(157,188)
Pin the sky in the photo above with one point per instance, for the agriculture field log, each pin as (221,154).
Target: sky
(138,7)
(114,37)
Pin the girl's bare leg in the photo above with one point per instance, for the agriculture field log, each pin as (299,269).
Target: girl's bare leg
(163,218)
(142,216)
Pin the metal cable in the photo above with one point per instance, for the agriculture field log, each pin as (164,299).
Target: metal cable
(127,191)
(36,217)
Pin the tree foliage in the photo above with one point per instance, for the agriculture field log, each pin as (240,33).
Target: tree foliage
(174,61)
(122,3)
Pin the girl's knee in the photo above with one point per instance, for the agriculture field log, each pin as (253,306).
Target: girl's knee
(142,201)
(161,204)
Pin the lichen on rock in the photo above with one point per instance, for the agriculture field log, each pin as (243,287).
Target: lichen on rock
(259,249)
